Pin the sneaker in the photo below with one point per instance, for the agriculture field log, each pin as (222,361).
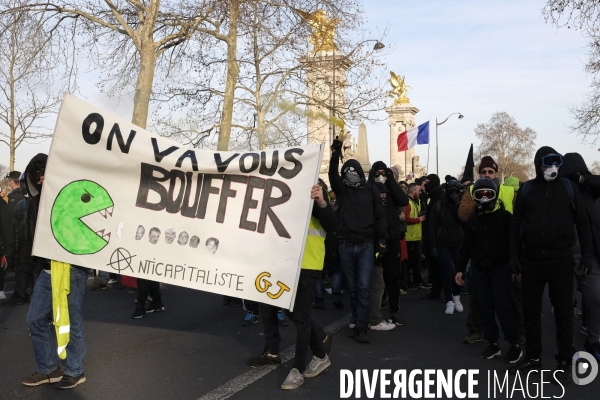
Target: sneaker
(266,358)
(514,355)
(41,379)
(526,365)
(2,295)
(577,313)
(281,318)
(473,337)
(491,351)
(397,319)
(457,304)
(425,285)
(329,290)
(593,349)
(250,319)
(430,296)
(112,280)
(338,305)
(327,342)
(316,366)
(140,312)
(562,375)
(293,381)
(383,326)
(402,291)
(69,382)
(98,286)
(450,308)
(155,306)
(352,323)
(361,336)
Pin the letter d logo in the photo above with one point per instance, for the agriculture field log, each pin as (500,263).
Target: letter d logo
(582,362)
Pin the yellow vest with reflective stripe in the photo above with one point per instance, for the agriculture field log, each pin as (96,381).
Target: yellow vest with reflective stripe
(61,286)
(314,250)
(414,231)
(507,195)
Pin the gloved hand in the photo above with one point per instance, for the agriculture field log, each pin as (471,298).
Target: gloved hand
(3,263)
(434,253)
(381,248)
(390,174)
(588,263)
(515,265)
(336,146)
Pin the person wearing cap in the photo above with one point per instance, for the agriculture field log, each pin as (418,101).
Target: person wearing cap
(546,211)
(393,198)
(486,244)
(7,231)
(361,218)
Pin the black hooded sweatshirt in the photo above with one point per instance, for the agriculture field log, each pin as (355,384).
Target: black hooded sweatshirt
(435,193)
(544,221)
(589,188)
(360,210)
(395,199)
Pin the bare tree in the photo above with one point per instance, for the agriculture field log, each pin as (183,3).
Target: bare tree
(583,15)
(28,90)
(511,146)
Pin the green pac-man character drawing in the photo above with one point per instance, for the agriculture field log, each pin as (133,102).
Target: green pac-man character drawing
(75,201)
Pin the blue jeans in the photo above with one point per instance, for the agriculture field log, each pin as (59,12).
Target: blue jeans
(335,272)
(447,259)
(358,261)
(43,335)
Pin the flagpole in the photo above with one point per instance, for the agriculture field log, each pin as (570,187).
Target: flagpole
(437,163)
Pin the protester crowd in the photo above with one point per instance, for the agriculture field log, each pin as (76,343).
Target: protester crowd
(371,235)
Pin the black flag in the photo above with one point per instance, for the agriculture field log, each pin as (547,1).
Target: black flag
(469,166)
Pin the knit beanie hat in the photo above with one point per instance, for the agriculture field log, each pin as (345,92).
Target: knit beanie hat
(488,162)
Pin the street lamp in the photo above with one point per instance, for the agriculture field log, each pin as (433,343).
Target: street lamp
(437,162)
(378,46)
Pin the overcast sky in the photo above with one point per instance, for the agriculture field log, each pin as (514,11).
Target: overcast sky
(476,57)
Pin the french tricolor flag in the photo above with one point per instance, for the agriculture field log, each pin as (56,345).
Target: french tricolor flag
(418,135)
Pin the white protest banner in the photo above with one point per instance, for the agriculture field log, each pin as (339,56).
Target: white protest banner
(121,199)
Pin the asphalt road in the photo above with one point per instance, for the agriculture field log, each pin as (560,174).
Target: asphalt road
(197,349)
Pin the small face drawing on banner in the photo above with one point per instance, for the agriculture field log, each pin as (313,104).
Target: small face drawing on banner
(194,242)
(183,238)
(154,235)
(170,235)
(140,232)
(212,244)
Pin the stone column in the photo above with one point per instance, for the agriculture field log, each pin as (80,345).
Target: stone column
(402,118)
(319,68)
(362,148)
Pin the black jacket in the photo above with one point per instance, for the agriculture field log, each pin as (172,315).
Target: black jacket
(7,225)
(28,261)
(395,199)
(544,221)
(445,229)
(486,243)
(360,210)
(433,197)
(589,188)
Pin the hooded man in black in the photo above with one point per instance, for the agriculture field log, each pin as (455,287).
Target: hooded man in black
(435,193)
(361,218)
(546,211)
(394,199)
(588,278)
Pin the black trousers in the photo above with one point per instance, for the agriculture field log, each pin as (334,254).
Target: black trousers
(558,274)
(145,288)
(493,290)
(413,249)
(474,317)
(309,334)
(251,306)
(391,273)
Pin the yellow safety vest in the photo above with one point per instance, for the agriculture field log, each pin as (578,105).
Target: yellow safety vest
(314,250)
(61,286)
(414,231)
(507,195)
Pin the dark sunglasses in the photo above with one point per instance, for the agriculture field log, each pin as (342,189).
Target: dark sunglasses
(552,159)
(480,194)
(377,173)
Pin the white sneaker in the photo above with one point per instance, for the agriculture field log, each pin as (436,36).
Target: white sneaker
(328,290)
(293,381)
(383,326)
(352,323)
(457,304)
(316,366)
(2,295)
(450,308)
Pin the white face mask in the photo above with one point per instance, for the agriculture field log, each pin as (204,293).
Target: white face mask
(551,173)
(381,179)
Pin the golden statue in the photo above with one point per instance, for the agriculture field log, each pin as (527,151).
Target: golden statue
(323,33)
(399,89)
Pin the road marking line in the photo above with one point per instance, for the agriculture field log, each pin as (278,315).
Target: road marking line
(240,382)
